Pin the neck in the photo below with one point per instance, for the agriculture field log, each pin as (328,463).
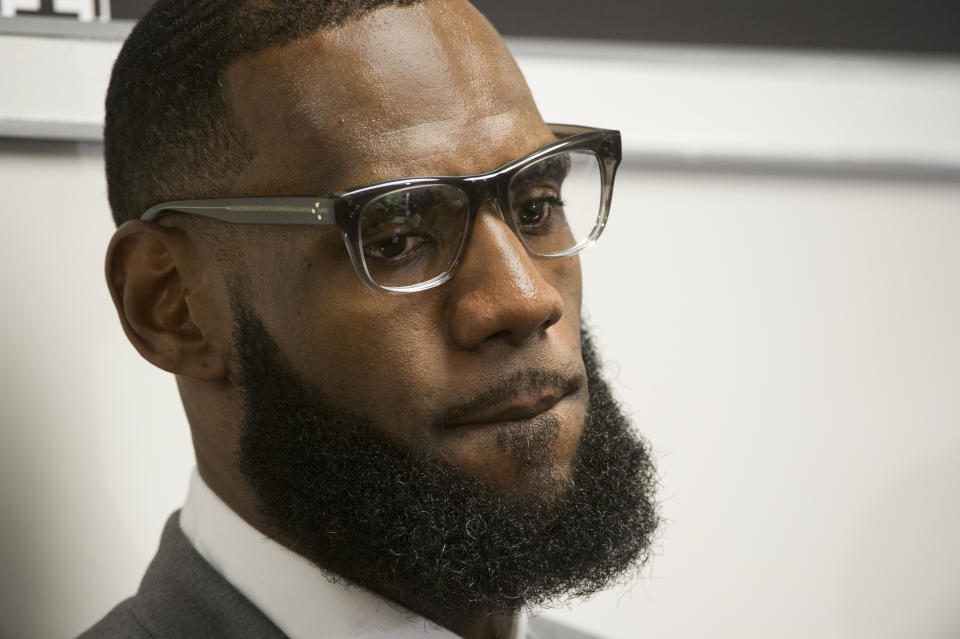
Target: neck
(494,627)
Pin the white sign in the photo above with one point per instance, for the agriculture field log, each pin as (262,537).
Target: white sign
(82,10)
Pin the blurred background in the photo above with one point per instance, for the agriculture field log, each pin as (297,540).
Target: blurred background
(777,298)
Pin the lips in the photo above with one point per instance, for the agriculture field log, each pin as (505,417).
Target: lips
(512,411)
(520,396)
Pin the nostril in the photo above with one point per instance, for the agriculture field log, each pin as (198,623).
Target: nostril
(499,335)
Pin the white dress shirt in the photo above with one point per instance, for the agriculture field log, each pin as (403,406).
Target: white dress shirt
(291,591)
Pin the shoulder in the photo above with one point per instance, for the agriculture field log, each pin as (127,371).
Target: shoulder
(181,595)
(119,622)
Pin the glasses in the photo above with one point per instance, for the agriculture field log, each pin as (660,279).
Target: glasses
(410,235)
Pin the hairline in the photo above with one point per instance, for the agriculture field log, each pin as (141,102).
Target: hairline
(151,160)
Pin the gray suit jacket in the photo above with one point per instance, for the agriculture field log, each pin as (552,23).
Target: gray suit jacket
(183,597)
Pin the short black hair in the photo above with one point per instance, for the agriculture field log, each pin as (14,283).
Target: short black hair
(167,133)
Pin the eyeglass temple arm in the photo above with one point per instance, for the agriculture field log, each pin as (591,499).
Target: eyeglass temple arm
(270,210)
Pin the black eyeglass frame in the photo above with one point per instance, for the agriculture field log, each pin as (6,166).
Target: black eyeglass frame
(344,209)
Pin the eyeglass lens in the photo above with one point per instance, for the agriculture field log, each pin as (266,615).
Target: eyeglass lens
(556,202)
(414,235)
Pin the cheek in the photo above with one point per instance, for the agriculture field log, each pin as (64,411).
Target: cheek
(376,360)
(376,355)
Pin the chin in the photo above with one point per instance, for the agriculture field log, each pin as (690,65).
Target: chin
(527,460)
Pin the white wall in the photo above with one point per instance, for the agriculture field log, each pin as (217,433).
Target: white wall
(790,346)
(784,333)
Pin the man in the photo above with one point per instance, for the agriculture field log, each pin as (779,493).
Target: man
(399,427)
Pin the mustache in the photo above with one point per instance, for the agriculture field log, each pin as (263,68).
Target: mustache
(522,383)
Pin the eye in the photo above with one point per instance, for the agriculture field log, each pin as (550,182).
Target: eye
(537,213)
(394,246)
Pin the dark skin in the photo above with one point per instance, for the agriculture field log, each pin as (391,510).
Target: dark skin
(424,90)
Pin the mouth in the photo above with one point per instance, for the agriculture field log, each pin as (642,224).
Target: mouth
(520,398)
(523,430)
(513,412)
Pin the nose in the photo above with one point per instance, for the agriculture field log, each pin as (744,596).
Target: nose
(499,292)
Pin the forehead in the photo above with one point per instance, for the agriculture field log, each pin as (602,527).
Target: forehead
(420,90)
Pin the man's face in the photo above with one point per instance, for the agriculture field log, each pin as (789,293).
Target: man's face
(456,449)
(467,371)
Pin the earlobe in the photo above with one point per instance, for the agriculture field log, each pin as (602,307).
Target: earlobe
(147,270)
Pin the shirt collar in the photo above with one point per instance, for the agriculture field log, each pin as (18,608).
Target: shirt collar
(291,591)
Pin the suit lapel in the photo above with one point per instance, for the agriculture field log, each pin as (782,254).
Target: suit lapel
(181,595)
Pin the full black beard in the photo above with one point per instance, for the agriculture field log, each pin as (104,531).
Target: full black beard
(421,532)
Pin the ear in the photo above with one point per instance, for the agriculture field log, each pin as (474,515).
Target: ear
(148,269)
